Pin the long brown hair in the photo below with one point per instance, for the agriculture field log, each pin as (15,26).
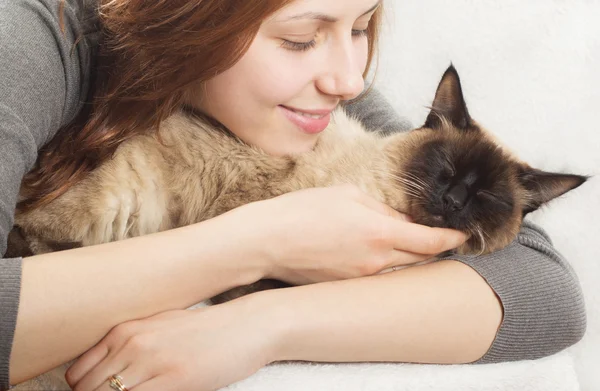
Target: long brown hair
(149,53)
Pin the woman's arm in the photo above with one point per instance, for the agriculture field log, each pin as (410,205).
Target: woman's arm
(443,312)
(134,278)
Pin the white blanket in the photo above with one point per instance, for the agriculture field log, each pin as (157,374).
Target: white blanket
(555,373)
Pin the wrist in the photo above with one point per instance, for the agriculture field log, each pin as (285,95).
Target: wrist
(272,320)
(255,237)
(231,238)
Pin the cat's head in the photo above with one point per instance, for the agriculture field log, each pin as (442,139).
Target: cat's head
(455,175)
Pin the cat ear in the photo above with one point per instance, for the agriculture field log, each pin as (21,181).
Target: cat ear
(449,103)
(542,186)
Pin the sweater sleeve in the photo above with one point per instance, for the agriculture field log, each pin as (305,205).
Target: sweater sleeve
(376,113)
(41,86)
(544,311)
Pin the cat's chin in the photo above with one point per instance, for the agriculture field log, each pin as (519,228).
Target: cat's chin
(470,247)
(429,219)
(439,221)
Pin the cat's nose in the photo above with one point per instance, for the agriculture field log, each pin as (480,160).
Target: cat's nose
(456,197)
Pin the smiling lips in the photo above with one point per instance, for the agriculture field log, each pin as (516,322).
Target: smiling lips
(309,121)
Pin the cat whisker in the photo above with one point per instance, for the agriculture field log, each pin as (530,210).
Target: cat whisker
(410,183)
(412,193)
(477,229)
(406,182)
(412,186)
(393,176)
(416,179)
(387,174)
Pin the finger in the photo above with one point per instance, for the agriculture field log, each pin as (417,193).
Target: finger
(86,363)
(131,376)
(403,258)
(92,380)
(421,239)
(163,383)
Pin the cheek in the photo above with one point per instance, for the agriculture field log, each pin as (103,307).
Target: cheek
(282,75)
(262,77)
(279,82)
(270,75)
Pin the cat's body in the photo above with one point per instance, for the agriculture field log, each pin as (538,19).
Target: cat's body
(198,173)
(449,173)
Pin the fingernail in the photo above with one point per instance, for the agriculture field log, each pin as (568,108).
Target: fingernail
(461,238)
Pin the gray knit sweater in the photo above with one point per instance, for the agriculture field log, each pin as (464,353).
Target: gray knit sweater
(42,85)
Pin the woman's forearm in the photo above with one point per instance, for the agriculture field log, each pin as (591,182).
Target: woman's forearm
(442,312)
(71,299)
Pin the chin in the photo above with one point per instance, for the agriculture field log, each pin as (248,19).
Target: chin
(292,147)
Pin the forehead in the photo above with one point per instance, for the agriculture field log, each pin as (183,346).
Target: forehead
(470,151)
(324,10)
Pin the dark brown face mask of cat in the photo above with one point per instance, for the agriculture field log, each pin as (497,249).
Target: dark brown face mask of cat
(457,176)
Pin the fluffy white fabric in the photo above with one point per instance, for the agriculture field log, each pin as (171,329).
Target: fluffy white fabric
(554,373)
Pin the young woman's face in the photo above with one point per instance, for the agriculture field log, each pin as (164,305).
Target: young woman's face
(306,58)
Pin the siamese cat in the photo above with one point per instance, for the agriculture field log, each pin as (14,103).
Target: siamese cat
(448,173)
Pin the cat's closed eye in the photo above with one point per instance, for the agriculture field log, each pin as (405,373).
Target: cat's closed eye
(488,195)
(446,174)
(448,171)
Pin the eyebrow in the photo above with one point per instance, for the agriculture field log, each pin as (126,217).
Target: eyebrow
(326,18)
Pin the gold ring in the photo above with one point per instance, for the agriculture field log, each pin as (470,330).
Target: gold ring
(116,383)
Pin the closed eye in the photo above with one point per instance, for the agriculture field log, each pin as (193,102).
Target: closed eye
(449,167)
(485,193)
(492,197)
(489,195)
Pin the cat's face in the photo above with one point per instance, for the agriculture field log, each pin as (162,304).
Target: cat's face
(464,182)
(457,176)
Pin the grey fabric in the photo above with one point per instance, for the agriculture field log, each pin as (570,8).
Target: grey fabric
(376,113)
(544,311)
(42,84)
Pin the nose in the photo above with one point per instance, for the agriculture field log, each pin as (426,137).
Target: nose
(456,197)
(343,76)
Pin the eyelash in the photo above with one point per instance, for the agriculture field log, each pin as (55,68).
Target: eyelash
(492,197)
(304,46)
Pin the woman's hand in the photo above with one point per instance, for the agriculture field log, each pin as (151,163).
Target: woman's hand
(201,349)
(324,234)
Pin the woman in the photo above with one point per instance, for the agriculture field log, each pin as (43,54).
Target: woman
(271,71)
